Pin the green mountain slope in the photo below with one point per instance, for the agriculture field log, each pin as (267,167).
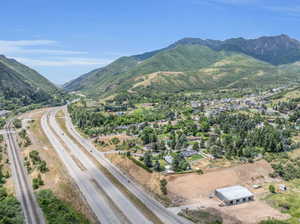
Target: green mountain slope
(29,74)
(276,50)
(235,71)
(193,64)
(22,86)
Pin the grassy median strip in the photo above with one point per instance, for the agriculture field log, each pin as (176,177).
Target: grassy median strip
(136,201)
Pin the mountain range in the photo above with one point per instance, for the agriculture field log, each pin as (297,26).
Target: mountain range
(21,86)
(197,64)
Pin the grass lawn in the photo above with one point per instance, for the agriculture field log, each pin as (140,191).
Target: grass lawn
(194,157)
(163,163)
(288,202)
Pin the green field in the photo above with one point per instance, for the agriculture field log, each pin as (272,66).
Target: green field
(194,157)
(288,202)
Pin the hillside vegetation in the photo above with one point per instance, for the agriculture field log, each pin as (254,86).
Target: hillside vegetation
(22,86)
(196,64)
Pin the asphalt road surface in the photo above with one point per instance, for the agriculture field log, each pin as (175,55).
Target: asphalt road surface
(89,178)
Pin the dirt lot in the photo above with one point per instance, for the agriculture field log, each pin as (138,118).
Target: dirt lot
(208,165)
(192,188)
(148,180)
(247,213)
(57,178)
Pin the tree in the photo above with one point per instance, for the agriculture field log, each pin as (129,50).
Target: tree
(57,211)
(3,193)
(163,186)
(148,136)
(272,189)
(148,160)
(42,167)
(204,126)
(175,163)
(196,146)
(17,123)
(115,140)
(155,147)
(157,166)
(161,146)
(40,180)
(216,151)
(202,144)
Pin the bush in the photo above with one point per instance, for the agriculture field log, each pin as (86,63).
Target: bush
(273,221)
(10,209)
(200,172)
(57,211)
(37,182)
(272,189)
(163,186)
(17,123)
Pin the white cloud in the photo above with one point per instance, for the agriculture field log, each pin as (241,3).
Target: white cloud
(24,43)
(234,2)
(22,47)
(285,9)
(63,61)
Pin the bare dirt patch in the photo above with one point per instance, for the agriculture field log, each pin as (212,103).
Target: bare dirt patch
(150,181)
(247,213)
(193,186)
(147,79)
(208,165)
(196,189)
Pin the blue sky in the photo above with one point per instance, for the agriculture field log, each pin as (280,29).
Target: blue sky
(63,39)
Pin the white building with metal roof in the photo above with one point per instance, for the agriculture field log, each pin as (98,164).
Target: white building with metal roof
(3,113)
(234,195)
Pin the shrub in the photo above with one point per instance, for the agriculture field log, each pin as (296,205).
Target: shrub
(57,211)
(272,189)
(163,186)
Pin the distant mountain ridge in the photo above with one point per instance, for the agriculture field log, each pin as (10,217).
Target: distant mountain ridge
(276,50)
(194,63)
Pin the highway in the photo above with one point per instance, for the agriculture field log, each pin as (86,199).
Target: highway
(105,199)
(157,208)
(31,210)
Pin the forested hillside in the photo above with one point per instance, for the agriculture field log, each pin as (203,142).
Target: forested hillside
(22,86)
(196,64)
